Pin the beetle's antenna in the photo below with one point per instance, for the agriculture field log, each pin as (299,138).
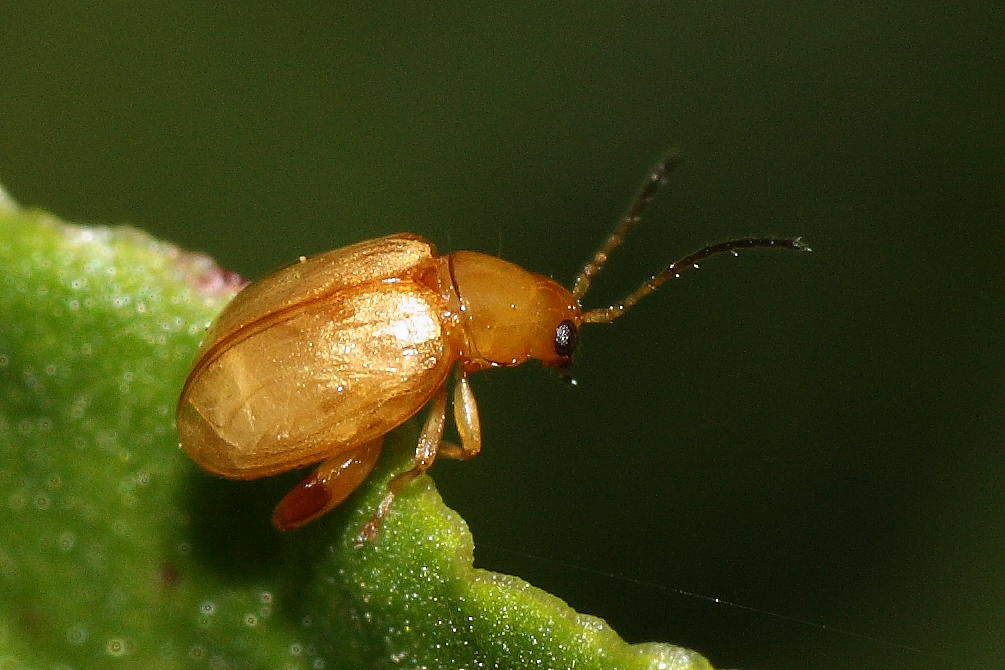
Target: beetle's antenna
(672,271)
(625,225)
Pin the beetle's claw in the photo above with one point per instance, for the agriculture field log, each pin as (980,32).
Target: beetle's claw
(370,529)
(368,533)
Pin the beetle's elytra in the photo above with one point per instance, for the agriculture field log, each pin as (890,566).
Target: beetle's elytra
(319,360)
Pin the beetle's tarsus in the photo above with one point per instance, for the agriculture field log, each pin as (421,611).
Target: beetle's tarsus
(370,529)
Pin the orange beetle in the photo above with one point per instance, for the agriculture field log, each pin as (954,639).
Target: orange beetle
(320,359)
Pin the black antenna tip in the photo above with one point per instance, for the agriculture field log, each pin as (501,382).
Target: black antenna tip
(799,245)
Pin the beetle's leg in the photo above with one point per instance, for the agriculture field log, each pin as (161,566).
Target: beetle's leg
(466,419)
(425,454)
(327,486)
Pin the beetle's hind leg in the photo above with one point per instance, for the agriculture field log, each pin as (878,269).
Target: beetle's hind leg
(327,486)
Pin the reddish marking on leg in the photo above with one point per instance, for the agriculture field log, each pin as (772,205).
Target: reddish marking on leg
(302,504)
(327,486)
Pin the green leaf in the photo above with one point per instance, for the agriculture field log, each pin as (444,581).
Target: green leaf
(115,545)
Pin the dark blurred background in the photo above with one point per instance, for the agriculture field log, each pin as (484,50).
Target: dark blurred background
(813,435)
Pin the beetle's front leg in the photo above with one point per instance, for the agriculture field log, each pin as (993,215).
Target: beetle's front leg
(425,454)
(329,484)
(466,420)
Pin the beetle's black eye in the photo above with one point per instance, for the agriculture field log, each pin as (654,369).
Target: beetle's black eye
(566,338)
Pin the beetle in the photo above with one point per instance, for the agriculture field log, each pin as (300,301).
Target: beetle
(319,360)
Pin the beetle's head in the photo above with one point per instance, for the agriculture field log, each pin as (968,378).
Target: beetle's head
(511,315)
